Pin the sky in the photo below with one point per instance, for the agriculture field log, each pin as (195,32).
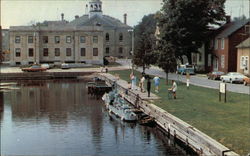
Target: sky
(24,12)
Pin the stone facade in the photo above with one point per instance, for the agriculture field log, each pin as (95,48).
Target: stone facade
(86,39)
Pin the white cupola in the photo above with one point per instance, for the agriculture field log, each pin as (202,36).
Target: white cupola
(95,8)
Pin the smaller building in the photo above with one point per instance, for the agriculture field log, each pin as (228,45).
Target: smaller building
(243,57)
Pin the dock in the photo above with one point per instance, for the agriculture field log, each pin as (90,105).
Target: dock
(189,135)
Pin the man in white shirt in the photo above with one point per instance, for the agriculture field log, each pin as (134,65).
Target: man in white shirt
(174,88)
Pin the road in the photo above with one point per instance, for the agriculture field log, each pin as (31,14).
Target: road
(197,80)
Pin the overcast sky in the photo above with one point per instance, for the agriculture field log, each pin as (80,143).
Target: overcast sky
(22,12)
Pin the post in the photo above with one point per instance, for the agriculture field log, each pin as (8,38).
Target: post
(132,51)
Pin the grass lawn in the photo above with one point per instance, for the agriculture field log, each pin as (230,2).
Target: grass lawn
(228,123)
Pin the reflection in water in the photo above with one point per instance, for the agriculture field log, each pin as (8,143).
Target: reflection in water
(58,118)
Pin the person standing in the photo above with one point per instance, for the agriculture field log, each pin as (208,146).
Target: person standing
(133,81)
(148,85)
(157,83)
(142,83)
(174,88)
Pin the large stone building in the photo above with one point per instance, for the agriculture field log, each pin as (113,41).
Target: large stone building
(86,39)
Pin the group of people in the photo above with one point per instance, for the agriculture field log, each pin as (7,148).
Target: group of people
(156,80)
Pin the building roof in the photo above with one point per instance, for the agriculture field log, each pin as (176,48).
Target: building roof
(104,20)
(244,44)
(230,28)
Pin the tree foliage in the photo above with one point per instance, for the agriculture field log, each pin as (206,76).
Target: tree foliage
(145,42)
(184,25)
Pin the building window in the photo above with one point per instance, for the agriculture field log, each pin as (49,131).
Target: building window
(57,39)
(209,60)
(95,39)
(45,39)
(247,29)
(68,39)
(200,57)
(222,61)
(68,51)
(222,42)
(95,51)
(83,52)
(120,37)
(82,39)
(57,51)
(45,52)
(243,62)
(18,52)
(30,39)
(107,50)
(107,37)
(216,44)
(31,52)
(17,39)
(120,50)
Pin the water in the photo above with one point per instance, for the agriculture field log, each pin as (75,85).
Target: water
(59,118)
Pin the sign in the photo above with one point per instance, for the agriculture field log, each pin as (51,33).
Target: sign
(222,88)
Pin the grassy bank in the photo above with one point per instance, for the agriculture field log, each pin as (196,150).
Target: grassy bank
(228,123)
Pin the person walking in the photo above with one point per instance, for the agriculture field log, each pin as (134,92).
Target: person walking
(174,88)
(157,83)
(148,85)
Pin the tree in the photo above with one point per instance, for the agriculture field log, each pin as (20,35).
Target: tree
(145,42)
(184,25)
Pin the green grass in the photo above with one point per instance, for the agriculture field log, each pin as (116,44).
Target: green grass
(228,123)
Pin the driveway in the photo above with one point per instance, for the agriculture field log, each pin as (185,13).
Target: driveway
(197,80)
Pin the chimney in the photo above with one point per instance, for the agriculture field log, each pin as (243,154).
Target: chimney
(76,16)
(125,18)
(228,19)
(62,15)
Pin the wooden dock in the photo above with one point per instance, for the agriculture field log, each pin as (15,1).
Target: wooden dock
(192,137)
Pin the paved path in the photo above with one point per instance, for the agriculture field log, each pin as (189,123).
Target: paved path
(198,80)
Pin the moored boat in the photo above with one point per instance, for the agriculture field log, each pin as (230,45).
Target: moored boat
(119,106)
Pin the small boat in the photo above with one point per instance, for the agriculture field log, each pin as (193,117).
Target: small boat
(119,106)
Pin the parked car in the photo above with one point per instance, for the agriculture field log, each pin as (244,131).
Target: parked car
(246,81)
(215,75)
(184,69)
(45,66)
(233,77)
(34,68)
(65,66)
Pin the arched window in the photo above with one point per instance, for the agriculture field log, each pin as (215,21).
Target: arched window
(100,7)
(107,37)
(120,37)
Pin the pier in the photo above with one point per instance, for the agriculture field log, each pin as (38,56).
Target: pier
(189,135)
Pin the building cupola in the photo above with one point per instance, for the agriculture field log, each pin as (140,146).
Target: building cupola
(95,8)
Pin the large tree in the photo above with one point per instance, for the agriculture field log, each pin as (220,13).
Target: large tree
(185,24)
(145,42)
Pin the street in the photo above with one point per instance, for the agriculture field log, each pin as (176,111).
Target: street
(197,80)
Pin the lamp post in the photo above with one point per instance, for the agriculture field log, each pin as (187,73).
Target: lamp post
(132,51)
(34,47)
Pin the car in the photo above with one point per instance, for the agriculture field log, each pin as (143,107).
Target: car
(65,66)
(184,69)
(34,68)
(215,75)
(45,66)
(233,77)
(246,81)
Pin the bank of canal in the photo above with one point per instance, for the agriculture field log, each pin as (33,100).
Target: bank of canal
(57,117)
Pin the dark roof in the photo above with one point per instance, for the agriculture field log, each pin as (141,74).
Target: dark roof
(104,20)
(229,28)
(244,44)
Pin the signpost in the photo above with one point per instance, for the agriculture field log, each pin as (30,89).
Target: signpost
(223,90)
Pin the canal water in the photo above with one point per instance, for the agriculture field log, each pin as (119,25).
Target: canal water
(59,118)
